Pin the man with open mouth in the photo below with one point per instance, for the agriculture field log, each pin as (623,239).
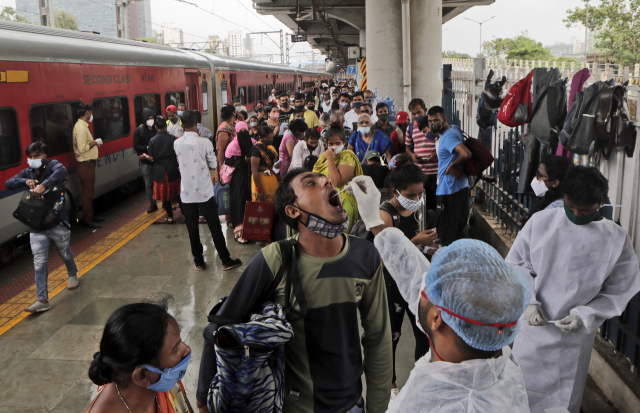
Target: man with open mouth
(340,277)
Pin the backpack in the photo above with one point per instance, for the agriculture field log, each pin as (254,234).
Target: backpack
(579,132)
(548,116)
(222,195)
(492,96)
(517,105)
(359,229)
(485,118)
(481,157)
(40,214)
(613,129)
(250,354)
(71,207)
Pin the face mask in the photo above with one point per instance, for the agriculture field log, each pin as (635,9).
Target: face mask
(169,377)
(274,116)
(284,104)
(180,112)
(311,148)
(267,141)
(325,228)
(580,220)
(34,163)
(410,204)
(419,118)
(364,129)
(357,105)
(311,107)
(253,124)
(338,149)
(539,187)
(299,107)
(116,116)
(327,100)
(238,108)
(174,120)
(383,117)
(344,105)
(91,119)
(150,123)
(436,127)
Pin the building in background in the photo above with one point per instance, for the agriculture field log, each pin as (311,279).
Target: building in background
(248,47)
(560,49)
(95,15)
(235,43)
(172,36)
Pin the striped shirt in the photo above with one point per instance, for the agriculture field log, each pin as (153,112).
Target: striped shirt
(422,147)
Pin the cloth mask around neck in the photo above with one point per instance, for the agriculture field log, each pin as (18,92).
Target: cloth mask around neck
(168,377)
(539,187)
(587,219)
(321,226)
(410,204)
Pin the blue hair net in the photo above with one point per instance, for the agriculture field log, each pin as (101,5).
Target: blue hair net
(470,279)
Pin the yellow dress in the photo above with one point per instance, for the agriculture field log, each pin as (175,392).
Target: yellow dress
(345,157)
(268,183)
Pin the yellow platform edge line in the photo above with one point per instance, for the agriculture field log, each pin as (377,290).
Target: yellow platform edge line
(151,218)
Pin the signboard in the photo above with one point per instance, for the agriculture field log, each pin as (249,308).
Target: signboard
(351,70)
(296,38)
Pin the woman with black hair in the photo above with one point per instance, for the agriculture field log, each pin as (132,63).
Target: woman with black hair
(548,183)
(226,131)
(403,212)
(263,157)
(292,136)
(140,362)
(165,173)
(237,157)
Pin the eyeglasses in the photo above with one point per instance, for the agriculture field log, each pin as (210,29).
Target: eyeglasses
(539,175)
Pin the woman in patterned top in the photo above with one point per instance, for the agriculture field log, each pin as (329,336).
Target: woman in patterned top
(140,362)
(263,158)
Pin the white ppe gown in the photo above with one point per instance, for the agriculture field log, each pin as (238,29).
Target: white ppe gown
(474,386)
(590,270)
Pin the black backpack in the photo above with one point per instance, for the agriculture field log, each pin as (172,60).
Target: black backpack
(39,213)
(359,229)
(550,111)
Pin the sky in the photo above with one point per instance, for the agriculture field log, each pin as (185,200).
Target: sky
(541,18)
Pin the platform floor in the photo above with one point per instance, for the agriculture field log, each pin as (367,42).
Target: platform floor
(44,358)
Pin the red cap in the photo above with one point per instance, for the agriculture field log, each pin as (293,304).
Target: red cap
(172,108)
(402,117)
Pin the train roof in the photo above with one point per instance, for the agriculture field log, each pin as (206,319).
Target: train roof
(33,43)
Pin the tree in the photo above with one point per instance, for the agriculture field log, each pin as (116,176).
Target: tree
(455,55)
(10,14)
(617,28)
(64,20)
(157,38)
(521,47)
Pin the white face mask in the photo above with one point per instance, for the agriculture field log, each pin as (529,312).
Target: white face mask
(539,187)
(364,129)
(34,163)
(338,149)
(410,204)
(91,118)
(150,123)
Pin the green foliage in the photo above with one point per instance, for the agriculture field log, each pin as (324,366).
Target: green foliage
(455,55)
(520,47)
(617,28)
(64,20)
(10,14)
(157,38)
(566,59)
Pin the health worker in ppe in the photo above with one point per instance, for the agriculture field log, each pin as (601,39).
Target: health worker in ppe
(468,302)
(582,270)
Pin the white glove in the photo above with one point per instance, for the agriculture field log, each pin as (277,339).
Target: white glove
(570,324)
(533,316)
(99,141)
(368,200)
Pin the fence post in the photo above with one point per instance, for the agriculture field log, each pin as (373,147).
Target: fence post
(447,90)
(479,65)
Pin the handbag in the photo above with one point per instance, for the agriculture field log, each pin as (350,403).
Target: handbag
(226,173)
(258,221)
(40,213)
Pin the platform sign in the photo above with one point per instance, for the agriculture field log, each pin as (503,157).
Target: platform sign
(296,38)
(351,69)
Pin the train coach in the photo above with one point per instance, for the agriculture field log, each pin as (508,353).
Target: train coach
(46,73)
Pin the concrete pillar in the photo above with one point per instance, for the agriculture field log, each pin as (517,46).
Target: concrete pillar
(363,38)
(384,59)
(426,50)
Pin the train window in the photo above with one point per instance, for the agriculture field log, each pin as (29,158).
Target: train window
(173,98)
(111,118)
(258,93)
(251,95)
(242,92)
(10,153)
(149,101)
(266,92)
(205,96)
(52,124)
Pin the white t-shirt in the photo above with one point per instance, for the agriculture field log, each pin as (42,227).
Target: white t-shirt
(350,118)
(300,152)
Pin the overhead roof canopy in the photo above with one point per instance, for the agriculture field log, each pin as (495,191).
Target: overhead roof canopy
(331,25)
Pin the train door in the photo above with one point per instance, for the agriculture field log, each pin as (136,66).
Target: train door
(193,92)
(234,85)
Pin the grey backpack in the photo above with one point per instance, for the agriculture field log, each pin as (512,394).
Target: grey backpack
(550,111)
(579,132)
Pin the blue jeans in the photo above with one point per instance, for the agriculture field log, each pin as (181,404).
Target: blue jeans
(40,242)
(359,407)
(147,176)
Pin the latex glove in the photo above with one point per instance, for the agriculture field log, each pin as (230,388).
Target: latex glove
(369,202)
(533,316)
(99,141)
(570,324)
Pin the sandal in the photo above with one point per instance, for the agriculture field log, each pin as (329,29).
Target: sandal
(168,220)
(237,237)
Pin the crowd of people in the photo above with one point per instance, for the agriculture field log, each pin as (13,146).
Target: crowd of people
(491,334)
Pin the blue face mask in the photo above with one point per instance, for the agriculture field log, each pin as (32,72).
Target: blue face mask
(357,105)
(169,377)
(180,113)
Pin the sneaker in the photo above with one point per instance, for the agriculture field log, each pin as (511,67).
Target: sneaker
(73,282)
(231,264)
(38,307)
(394,393)
(201,267)
(152,208)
